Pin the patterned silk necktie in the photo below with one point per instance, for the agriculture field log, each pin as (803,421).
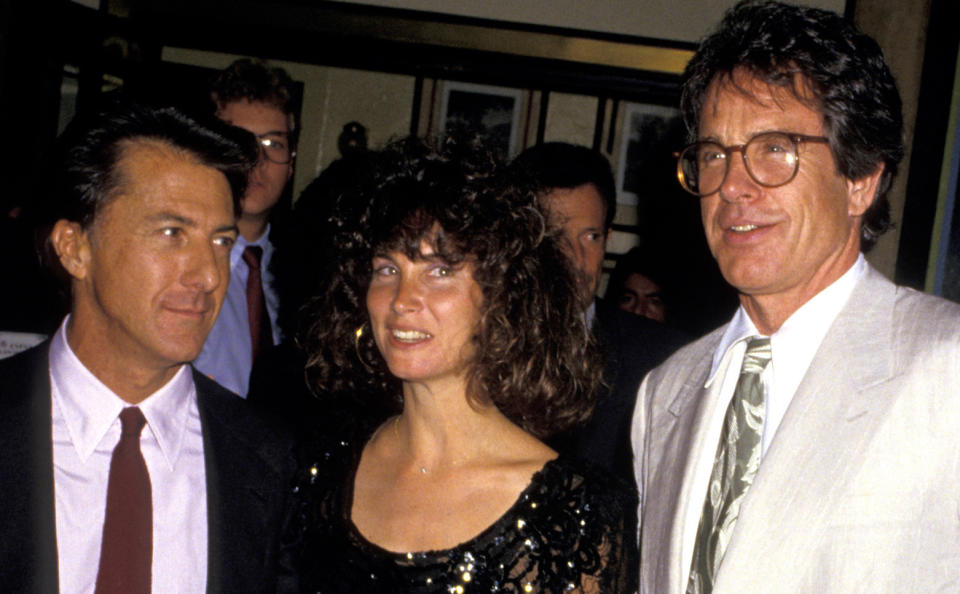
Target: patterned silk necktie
(738,457)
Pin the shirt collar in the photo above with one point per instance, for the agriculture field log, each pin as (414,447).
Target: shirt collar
(807,325)
(241,244)
(89,407)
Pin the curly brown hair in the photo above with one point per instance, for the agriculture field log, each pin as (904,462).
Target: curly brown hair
(536,360)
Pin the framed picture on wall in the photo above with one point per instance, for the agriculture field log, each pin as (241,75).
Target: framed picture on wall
(647,137)
(493,111)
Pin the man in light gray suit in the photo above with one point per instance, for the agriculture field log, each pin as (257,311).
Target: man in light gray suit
(813,443)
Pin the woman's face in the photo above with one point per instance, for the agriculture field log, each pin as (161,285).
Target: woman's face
(424,314)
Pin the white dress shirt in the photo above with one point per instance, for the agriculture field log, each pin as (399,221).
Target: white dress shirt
(793,347)
(227,354)
(86,428)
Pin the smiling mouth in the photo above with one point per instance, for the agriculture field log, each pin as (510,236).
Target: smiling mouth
(190,313)
(409,335)
(742,228)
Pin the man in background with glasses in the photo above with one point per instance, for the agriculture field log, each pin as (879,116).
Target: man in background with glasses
(259,99)
(812,444)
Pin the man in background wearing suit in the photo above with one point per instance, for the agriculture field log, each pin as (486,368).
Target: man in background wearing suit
(123,469)
(251,95)
(578,193)
(811,444)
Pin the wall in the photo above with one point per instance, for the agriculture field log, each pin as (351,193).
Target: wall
(332,97)
(658,19)
(900,28)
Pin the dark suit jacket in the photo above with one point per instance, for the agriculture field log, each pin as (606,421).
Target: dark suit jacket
(631,345)
(248,469)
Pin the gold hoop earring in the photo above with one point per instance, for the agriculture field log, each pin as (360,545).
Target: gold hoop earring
(358,333)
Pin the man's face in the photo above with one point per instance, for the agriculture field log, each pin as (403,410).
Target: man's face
(581,213)
(643,297)
(151,271)
(785,243)
(268,179)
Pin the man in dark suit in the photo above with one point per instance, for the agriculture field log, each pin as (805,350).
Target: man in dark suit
(146,203)
(578,192)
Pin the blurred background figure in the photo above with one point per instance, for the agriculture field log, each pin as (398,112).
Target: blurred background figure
(253,96)
(577,192)
(637,286)
(309,236)
(303,267)
(453,326)
(31,300)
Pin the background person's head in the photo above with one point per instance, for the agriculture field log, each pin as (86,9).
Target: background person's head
(260,99)
(637,285)
(577,189)
(529,353)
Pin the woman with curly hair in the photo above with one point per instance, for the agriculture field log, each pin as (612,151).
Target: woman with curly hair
(452,310)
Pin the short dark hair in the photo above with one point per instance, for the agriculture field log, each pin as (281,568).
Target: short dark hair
(844,69)
(560,165)
(254,80)
(535,359)
(636,261)
(88,177)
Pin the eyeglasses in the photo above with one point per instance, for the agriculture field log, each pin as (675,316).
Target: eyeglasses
(771,160)
(275,148)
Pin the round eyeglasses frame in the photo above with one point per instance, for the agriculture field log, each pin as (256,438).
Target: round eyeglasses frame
(266,142)
(795,139)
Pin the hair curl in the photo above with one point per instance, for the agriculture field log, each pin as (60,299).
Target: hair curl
(535,357)
(808,50)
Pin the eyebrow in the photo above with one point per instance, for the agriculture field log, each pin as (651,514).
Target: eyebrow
(170,217)
(752,135)
(165,216)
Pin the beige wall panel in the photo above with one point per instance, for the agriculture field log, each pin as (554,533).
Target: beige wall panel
(658,19)
(900,28)
(571,118)
(381,102)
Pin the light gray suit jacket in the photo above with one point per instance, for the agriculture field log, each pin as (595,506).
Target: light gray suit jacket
(860,488)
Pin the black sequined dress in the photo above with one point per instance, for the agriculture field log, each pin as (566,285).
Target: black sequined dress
(568,531)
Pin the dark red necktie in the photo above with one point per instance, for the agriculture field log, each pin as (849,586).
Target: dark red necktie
(261,336)
(127,548)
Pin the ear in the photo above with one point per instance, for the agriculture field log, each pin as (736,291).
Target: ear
(862,192)
(72,245)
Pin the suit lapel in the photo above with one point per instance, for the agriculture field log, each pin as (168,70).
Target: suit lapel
(27,515)
(833,412)
(673,434)
(241,513)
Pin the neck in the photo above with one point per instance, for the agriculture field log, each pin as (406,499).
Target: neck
(120,372)
(252,227)
(440,429)
(769,312)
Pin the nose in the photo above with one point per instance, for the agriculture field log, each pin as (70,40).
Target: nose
(201,270)
(407,297)
(738,185)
